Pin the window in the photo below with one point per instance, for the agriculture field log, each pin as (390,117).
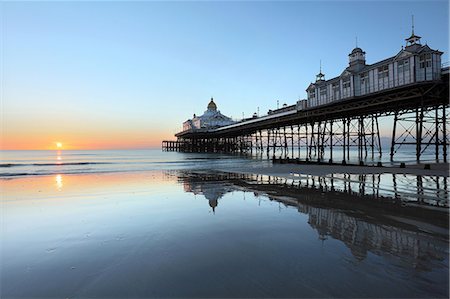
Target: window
(346,83)
(346,87)
(312,93)
(323,91)
(335,89)
(403,65)
(364,77)
(425,60)
(383,72)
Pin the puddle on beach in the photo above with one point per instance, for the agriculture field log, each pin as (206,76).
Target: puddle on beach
(185,234)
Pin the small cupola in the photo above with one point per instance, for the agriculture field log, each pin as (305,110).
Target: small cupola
(320,77)
(413,39)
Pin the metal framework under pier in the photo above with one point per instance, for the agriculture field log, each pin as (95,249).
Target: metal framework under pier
(340,131)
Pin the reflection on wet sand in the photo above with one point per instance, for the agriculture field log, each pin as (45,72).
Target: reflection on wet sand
(424,190)
(59,182)
(386,229)
(211,191)
(96,235)
(77,184)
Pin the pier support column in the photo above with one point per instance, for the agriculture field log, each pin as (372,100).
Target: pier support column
(444,133)
(393,135)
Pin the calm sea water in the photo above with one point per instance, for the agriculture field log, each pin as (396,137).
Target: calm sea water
(26,163)
(154,224)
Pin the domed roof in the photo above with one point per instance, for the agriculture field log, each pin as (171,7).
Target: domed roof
(212,105)
(357,50)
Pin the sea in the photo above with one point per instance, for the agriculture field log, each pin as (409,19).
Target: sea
(154,224)
(48,162)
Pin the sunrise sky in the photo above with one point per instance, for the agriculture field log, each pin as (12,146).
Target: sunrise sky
(100,75)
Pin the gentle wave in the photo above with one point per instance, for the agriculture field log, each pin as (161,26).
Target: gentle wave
(6,175)
(53,164)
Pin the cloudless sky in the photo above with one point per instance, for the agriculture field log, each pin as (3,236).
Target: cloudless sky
(127,74)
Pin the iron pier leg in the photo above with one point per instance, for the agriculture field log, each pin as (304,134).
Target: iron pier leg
(348,138)
(307,142)
(444,134)
(344,122)
(393,135)
(436,137)
(322,141)
(285,142)
(378,137)
(372,145)
(292,142)
(331,141)
(298,141)
(359,140)
(311,140)
(318,150)
(419,126)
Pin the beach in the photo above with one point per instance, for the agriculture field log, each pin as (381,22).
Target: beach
(229,227)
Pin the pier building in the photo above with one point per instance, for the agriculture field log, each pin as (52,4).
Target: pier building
(414,63)
(211,118)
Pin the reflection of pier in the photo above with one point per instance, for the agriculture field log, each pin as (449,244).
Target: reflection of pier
(361,236)
(210,188)
(335,210)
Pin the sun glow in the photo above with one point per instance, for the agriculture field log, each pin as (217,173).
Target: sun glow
(58,144)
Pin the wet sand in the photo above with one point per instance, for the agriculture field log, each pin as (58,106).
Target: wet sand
(288,170)
(163,234)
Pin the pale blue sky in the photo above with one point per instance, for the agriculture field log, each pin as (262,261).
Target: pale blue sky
(147,66)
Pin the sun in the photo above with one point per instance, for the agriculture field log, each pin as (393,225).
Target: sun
(58,144)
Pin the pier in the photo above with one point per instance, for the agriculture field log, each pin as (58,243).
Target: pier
(340,118)
(420,113)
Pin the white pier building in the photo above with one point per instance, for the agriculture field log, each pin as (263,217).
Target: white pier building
(414,63)
(212,118)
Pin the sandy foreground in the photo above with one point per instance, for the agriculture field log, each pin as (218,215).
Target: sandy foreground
(288,170)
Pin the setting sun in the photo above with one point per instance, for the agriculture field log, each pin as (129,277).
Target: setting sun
(59,145)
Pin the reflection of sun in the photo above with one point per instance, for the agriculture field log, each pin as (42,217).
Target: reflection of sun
(59,182)
(58,157)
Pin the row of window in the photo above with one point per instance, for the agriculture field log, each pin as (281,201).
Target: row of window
(383,72)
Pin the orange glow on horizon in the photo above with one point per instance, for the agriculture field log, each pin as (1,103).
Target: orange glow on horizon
(86,142)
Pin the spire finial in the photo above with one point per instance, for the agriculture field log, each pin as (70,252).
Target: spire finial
(412,17)
(356,39)
(320,76)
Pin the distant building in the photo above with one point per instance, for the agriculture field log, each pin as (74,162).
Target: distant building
(212,118)
(414,63)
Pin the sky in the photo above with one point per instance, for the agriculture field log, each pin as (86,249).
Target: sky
(116,75)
